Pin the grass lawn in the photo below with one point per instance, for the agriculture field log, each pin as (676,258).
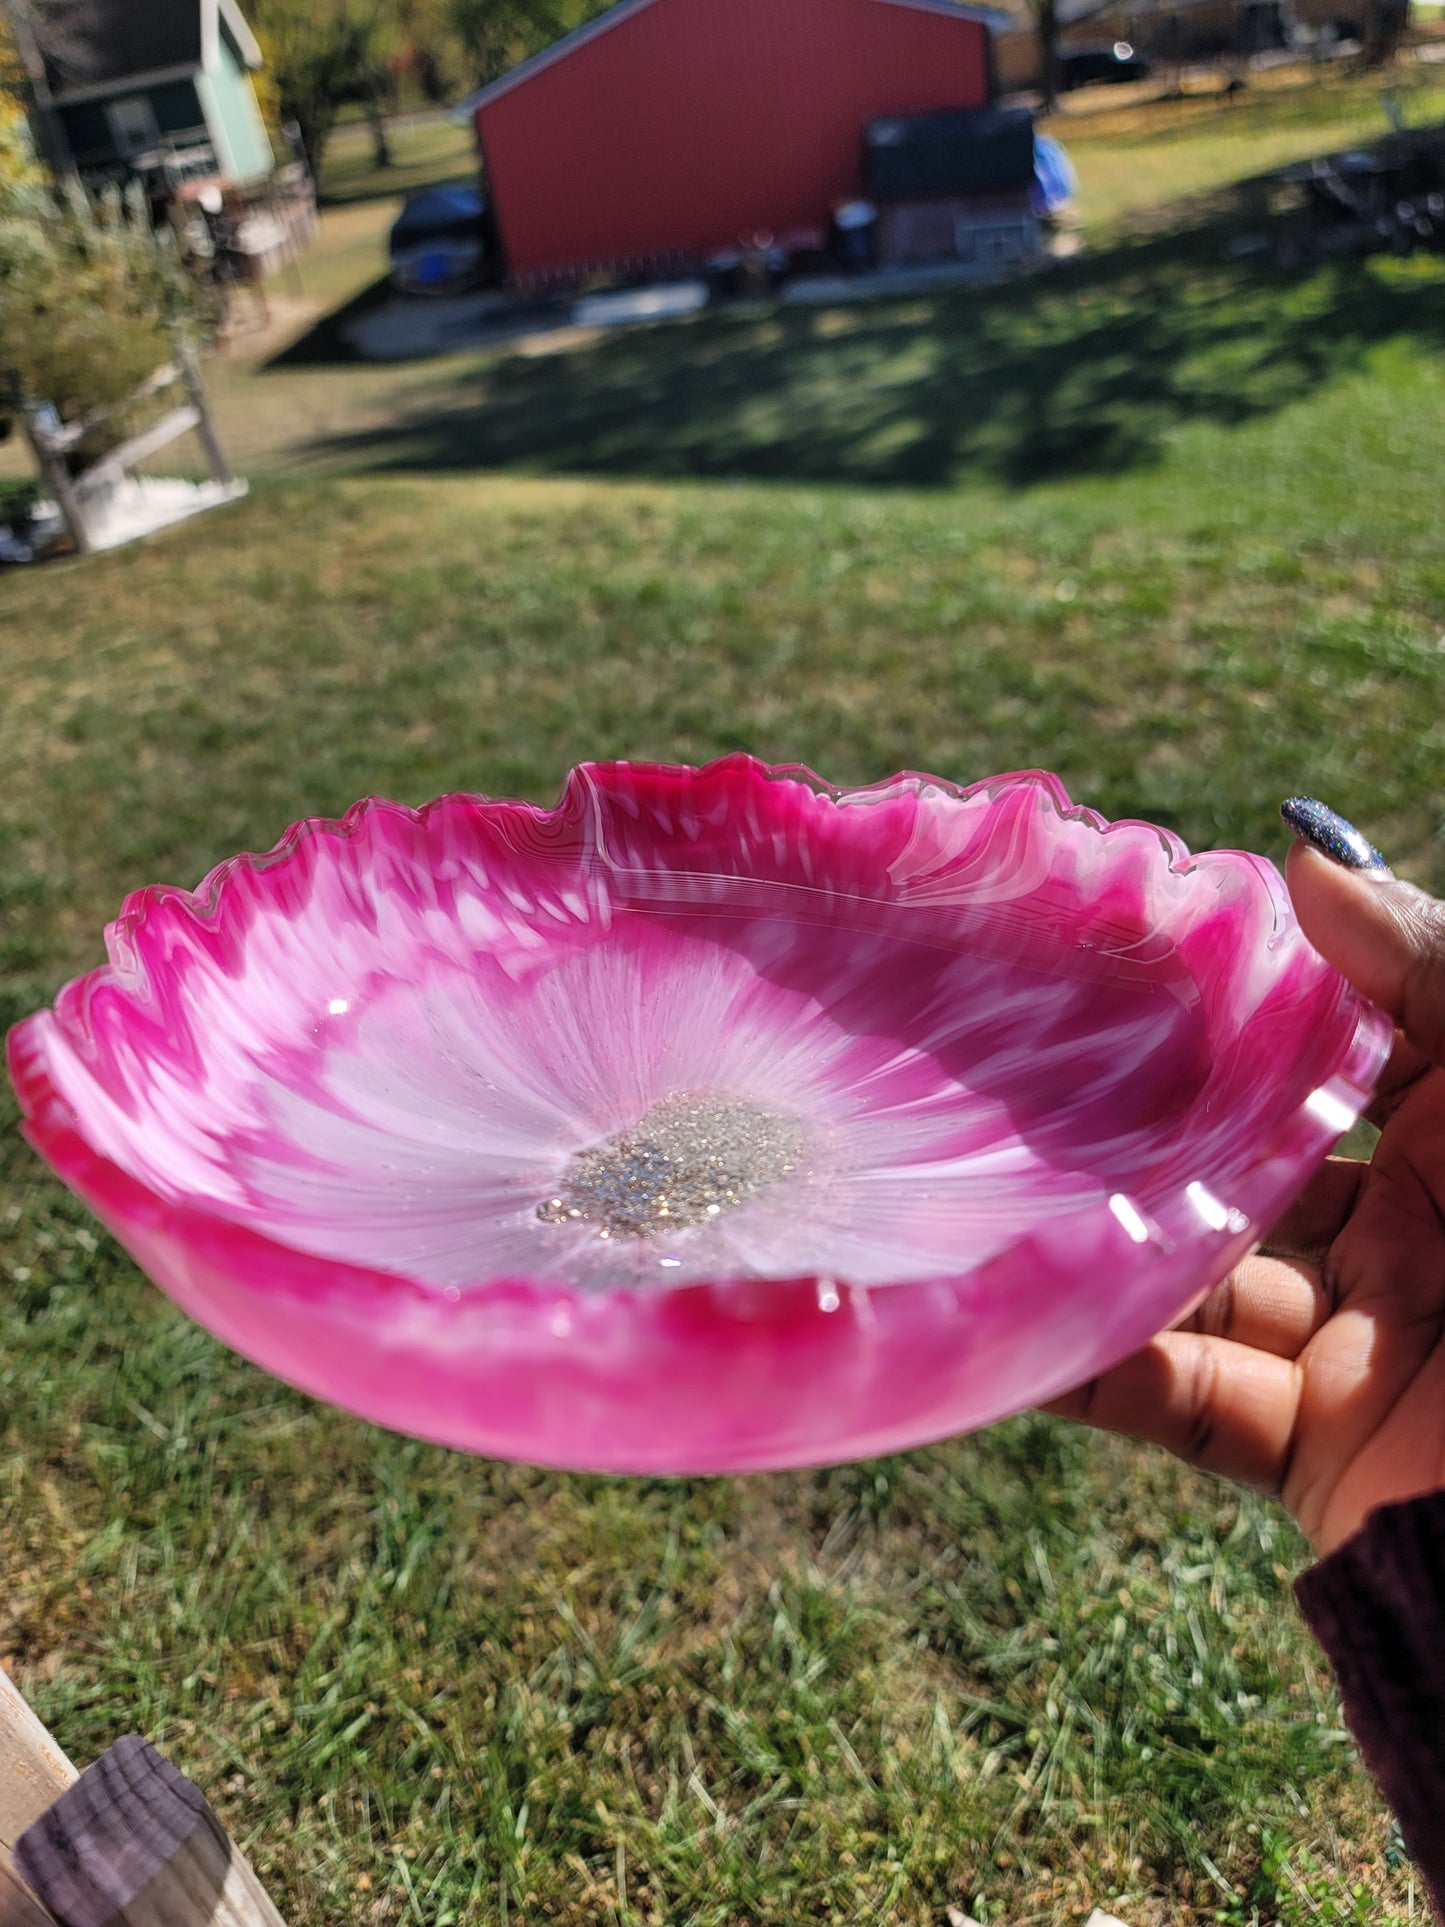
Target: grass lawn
(1167,524)
(426,148)
(1134,159)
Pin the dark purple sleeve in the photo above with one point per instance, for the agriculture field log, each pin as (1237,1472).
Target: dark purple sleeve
(1377,1606)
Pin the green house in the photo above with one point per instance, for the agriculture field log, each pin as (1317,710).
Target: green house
(137,84)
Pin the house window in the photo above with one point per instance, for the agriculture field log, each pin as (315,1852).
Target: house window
(133,124)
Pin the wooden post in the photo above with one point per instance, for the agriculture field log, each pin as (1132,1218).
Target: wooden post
(33,1774)
(51,463)
(19,1907)
(134,1844)
(128,1843)
(205,427)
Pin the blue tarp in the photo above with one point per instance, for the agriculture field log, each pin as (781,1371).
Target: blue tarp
(1055,181)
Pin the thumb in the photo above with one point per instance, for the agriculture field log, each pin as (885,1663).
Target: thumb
(1386,937)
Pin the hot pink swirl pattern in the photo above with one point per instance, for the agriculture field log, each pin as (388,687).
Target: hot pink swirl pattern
(715,1119)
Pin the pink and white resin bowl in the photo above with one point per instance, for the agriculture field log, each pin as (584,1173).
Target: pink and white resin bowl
(713,1120)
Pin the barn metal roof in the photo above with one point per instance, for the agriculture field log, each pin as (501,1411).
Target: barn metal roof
(989,17)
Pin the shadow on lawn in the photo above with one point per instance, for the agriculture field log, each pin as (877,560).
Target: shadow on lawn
(1083,371)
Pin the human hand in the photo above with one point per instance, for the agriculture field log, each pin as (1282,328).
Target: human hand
(1316,1371)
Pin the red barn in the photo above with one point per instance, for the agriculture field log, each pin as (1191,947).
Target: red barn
(668,130)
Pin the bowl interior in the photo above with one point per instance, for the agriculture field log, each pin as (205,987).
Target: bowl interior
(458,1099)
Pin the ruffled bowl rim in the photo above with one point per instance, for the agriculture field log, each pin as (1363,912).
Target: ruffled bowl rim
(223,1255)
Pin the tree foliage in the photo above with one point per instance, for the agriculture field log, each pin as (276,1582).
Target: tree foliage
(87,293)
(20,172)
(12,73)
(430,57)
(494,34)
(323,53)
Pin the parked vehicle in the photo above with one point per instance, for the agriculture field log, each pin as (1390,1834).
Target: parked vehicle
(439,242)
(1091,66)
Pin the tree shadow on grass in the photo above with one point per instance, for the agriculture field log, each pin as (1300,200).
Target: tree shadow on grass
(326,343)
(1083,371)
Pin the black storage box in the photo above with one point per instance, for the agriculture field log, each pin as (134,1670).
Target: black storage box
(971,150)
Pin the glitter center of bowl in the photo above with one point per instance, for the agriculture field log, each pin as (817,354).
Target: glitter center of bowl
(685,1163)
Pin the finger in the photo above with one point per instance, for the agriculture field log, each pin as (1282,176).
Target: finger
(1391,1254)
(1399,1077)
(1218,1405)
(1310,1225)
(1271,1305)
(1387,937)
(1276,1300)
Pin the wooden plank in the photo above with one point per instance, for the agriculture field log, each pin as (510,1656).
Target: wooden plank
(57,480)
(72,432)
(19,1907)
(34,1772)
(180,421)
(191,375)
(134,1844)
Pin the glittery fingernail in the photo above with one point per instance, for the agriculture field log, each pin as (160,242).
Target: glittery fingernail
(1332,834)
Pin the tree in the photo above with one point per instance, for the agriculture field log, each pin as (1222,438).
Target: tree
(87,293)
(12,73)
(321,53)
(1385,25)
(1047,16)
(495,34)
(372,36)
(429,52)
(26,26)
(301,46)
(20,172)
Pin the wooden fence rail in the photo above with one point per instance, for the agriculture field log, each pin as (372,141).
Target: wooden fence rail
(128,1843)
(34,1772)
(77,495)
